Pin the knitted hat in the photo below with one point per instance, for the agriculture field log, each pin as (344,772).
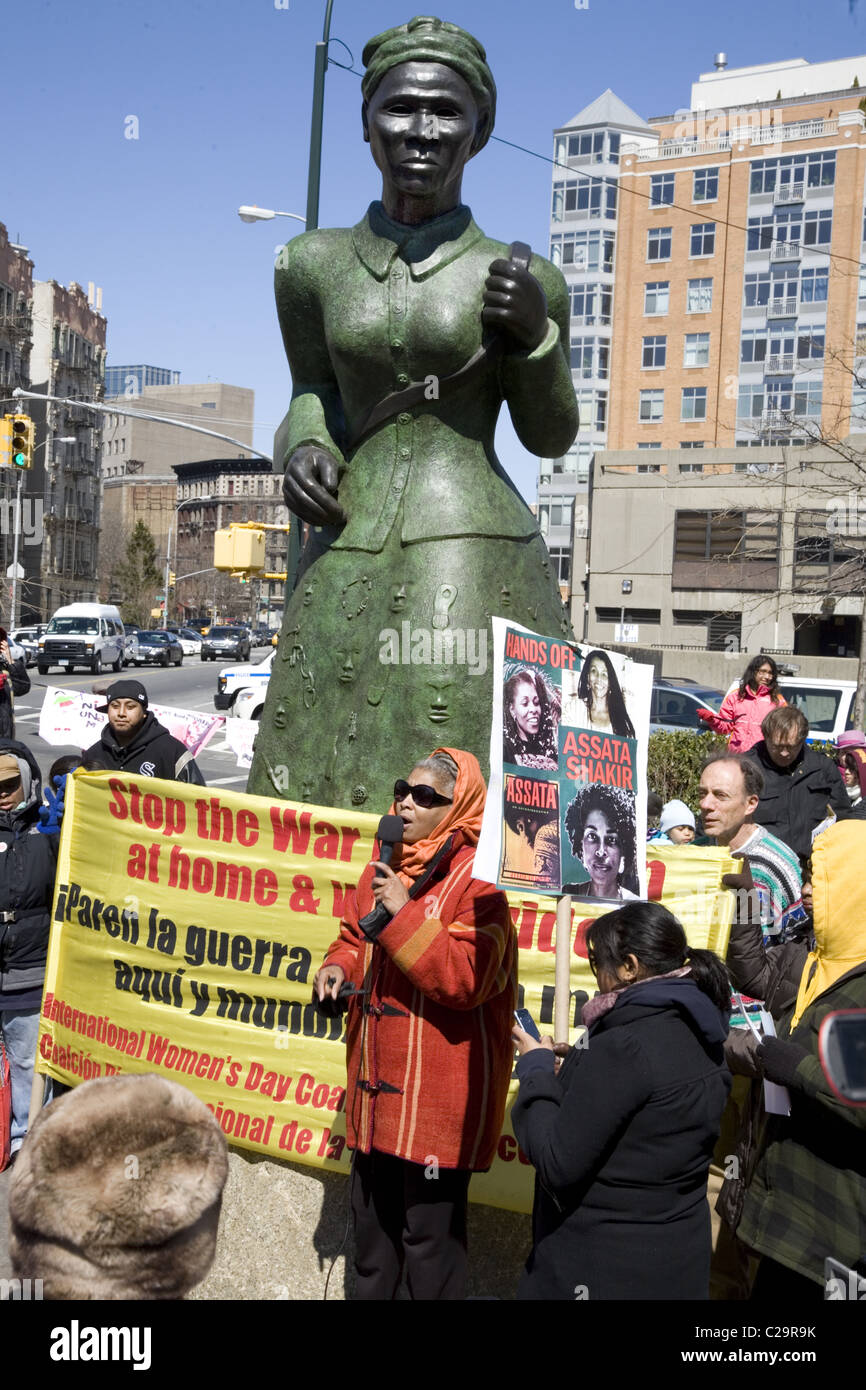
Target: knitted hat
(852,738)
(124,690)
(675,813)
(116,1192)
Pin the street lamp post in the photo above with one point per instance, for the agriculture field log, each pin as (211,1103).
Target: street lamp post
(250,213)
(187,502)
(319,69)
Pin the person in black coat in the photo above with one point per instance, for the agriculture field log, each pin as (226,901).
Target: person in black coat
(27,868)
(621,1138)
(801,785)
(14,680)
(134,741)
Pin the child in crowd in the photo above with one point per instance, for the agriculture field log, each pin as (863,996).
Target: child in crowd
(676,825)
(51,814)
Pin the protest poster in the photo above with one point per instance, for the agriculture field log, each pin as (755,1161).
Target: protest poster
(566,810)
(74,717)
(188,926)
(240,737)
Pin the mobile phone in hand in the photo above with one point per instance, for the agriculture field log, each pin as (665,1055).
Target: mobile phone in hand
(527,1023)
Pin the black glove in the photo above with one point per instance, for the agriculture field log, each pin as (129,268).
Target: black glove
(779,1060)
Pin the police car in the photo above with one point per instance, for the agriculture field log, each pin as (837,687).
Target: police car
(242,689)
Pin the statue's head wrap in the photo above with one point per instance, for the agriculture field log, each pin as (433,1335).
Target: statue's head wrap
(427,40)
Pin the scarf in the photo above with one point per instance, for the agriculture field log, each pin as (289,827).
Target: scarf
(840,939)
(464,815)
(602,1004)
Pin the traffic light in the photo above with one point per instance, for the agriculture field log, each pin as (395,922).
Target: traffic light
(6,441)
(23,431)
(171,579)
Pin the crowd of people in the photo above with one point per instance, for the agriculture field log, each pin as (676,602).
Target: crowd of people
(658,1173)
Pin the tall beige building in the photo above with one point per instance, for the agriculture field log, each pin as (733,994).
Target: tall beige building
(738,287)
(67,360)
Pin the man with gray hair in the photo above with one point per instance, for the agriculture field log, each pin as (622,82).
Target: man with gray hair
(801,786)
(731,788)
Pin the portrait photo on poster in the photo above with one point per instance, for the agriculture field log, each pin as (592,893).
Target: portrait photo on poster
(531,706)
(530,842)
(595,696)
(600,835)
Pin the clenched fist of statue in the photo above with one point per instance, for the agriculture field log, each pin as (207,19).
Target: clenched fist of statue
(310,486)
(514,303)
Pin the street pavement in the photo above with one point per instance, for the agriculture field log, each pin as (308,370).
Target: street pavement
(189,686)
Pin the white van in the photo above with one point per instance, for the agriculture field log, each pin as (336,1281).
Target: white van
(82,634)
(828,704)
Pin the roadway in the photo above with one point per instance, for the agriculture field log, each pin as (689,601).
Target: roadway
(189,686)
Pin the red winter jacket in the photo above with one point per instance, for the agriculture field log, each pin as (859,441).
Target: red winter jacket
(741,717)
(430,1044)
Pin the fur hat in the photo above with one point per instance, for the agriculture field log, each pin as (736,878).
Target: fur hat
(116,1192)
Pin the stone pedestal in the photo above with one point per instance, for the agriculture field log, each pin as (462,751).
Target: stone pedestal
(282,1225)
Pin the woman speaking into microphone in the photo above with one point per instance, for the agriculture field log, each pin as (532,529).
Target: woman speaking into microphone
(427,956)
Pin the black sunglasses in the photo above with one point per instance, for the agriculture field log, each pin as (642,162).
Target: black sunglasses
(421,794)
(10,786)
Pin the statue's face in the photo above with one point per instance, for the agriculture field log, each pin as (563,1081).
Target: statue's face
(421,123)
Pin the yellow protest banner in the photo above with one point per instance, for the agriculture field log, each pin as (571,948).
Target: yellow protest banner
(187,928)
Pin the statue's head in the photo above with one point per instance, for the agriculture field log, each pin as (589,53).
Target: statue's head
(429,103)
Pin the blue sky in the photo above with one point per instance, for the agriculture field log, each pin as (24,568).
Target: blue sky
(222,93)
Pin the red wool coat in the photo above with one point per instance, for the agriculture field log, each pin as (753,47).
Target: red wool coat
(430,1044)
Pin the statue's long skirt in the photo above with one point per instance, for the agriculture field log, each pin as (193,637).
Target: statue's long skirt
(384,657)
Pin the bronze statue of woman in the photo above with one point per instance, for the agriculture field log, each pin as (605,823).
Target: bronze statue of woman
(404,334)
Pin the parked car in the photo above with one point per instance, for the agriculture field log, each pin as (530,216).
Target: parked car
(242,689)
(676,701)
(226,641)
(261,636)
(82,634)
(190,640)
(827,704)
(28,639)
(160,647)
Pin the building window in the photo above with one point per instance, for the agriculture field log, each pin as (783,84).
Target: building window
(585,250)
(649,468)
(661,190)
(613,141)
(810,345)
(653,445)
(554,511)
(820,552)
(561,559)
(808,398)
(656,297)
(694,405)
(691,444)
(699,296)
(691,468)
(654,351)
(697,350)
(702,241)
(753,345)
(651,405)
(757,288)
(592,406)
(628,615)
(589,357)
(591,303)
(586,197)
(589,146)
(658,243)
(818,227)
(726,549)
(705,188)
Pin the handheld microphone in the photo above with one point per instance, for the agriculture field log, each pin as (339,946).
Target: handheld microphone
(389,834)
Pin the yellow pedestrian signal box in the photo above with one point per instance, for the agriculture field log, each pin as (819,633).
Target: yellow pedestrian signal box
(239,548)
(23,431)
(6,441)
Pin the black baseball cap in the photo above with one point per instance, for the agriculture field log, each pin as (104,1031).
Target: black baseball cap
(124,690)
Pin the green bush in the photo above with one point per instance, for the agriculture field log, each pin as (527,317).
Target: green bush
(674,763)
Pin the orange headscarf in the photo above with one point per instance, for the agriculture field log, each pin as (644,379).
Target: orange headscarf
(470,793)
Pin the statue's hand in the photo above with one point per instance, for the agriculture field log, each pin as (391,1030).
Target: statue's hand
(514,303)
(310,486)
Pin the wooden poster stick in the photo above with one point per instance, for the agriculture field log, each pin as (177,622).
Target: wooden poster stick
(562,977)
